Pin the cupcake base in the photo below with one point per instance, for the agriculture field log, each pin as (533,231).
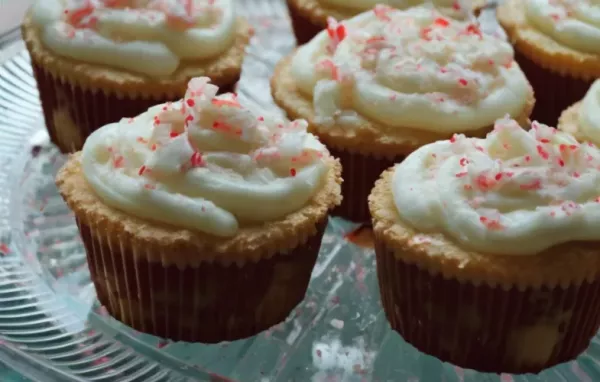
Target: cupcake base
(72,112)
(489,329)
(304,29)
(209,303)
(492,313)
(553,92)
(361,171)
(192,286)
(364,150)
(79,97)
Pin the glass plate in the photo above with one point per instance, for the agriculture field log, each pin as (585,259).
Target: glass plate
(51,328)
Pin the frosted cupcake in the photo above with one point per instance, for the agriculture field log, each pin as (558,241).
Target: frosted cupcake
(378,86)
(309,17)
(557,44)
(97,61)
(201,219)
(582,119)
(488,250)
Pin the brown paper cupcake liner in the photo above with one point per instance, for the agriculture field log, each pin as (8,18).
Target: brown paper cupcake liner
(304,29)
(72,112)
(553,92)
(209,303)
(359,172)
(490,329)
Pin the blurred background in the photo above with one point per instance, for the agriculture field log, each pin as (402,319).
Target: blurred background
(11,13)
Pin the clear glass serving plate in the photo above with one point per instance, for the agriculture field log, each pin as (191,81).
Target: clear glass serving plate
(52,329)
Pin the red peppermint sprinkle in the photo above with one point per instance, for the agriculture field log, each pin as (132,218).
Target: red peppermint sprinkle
(464,161)
(142,170)
(174,134)
(76,16)
(196,159)
(463,82)
(474,30)
(456,5)
(484,182)
(441,22)
(330,66)
(375,39)
(4,250)
(293,172)
(261,119)
(224,102)
(425,33)
(491,224)
(461,174)
(141,140)
(534,185)
(190,102)
(543,153)
(119,161)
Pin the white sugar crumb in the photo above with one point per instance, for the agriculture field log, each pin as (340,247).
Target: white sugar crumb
(338,324)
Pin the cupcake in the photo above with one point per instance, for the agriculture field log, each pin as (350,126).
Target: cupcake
(380,85)
(201,220)
(557,44)
(582,119)
(97,61)
(488,250)
(309,17)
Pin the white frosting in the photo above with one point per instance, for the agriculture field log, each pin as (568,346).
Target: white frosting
(452,8)
(410,69)
(516,192)
(205,163)
(149,37)
(573,23)
(589,114)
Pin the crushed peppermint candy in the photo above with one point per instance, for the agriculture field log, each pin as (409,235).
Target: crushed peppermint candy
(179,14)
(406,56)
(180,131)
(508,186)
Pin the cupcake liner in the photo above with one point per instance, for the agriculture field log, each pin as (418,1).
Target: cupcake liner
(490,329)
(304,29)
(210,303)
(359,172)
(73,112)
(554,92)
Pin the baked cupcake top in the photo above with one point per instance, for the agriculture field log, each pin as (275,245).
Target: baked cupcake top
(205,163)
(149,37)
(515,192)
(451,8)
(583,119)
(410,69)
(573,23)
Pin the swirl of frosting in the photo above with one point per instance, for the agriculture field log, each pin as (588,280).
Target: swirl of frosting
(589,114)
(411,69)
(573,23)
(150,37)
(205,163)
(452,8)
(515,192)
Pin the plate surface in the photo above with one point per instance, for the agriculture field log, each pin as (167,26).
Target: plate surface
(51,328)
